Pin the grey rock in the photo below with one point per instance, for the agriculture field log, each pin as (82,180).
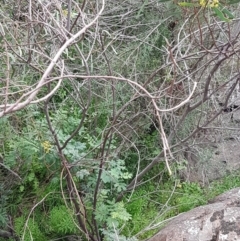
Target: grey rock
(217,221)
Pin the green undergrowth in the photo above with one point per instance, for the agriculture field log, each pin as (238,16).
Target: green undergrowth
(154,203)
(36,202)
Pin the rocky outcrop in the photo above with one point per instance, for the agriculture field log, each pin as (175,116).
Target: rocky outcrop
(217,221)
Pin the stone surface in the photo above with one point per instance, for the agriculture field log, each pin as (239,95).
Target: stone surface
(217,221)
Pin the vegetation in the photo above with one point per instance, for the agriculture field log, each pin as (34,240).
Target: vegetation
(99,104)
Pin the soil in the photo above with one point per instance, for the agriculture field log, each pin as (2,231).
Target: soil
(219,153)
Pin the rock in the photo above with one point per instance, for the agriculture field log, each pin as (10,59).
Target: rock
(217,221)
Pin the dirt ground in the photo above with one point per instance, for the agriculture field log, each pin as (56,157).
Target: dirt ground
(220,152)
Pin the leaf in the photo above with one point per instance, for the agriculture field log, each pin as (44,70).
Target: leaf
(126,175)
(82,173)
(220,14)
(120,212)
(141,10)
(102,212)
(55,180)
(106,178)
(21,188)
(20,51)
(2,30)
(227,13)
(31,177)
(233,1)
(12,57)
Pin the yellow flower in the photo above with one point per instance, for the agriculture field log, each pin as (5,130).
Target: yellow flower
(46,146)
(209,3)
(214,3)
(203,3)
(65,12)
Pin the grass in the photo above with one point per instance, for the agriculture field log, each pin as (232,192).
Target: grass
(153,203)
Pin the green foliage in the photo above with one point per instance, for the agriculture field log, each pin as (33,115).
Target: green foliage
(109,236)
(3,207)
(28,146)
(138,202)
(232,1)
(115,175)
(5,134)
(150,144)
(28,230)
(192,195)
(220,11)
(141,210)
(61,221)
(40,176)
(35,174)
(111,214)
(223,185)
(223,14)
(167,201)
